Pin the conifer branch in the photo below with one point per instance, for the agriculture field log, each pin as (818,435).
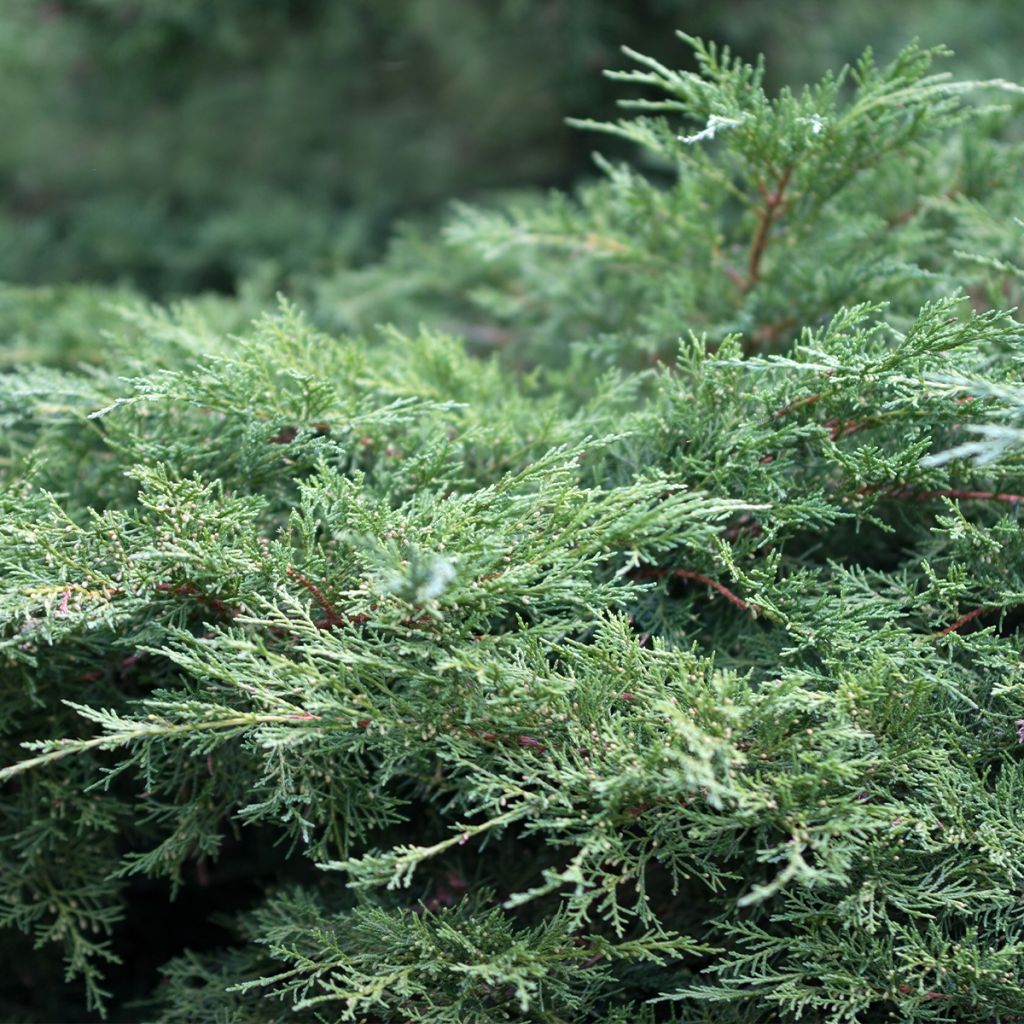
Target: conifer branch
(955,494)
(696,577)
(333,618)
(965,619)
(774,204)
(144,731)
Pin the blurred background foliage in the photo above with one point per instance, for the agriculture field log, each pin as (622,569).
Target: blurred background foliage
(183,146)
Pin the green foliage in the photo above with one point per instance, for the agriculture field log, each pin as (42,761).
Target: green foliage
(608,678)
(777,212)
(188,146)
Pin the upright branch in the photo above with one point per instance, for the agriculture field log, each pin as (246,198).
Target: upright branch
(774,204)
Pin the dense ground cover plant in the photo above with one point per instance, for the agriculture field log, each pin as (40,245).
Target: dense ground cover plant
(611,677)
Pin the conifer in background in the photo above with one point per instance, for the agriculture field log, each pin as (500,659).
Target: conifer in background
(185,146)
(637,640)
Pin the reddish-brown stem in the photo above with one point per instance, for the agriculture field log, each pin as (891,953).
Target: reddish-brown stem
(911,212)
(696,577)
(529,741)
(191,590)
(333,618)
(798,404)
(202,872)
(285,436)
(964,619)
(838,429)
(770,332)
(954,493)
(774,203)
(735,276)
(746,525)
(1011,499)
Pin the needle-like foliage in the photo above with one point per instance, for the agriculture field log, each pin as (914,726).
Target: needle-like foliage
(663,666)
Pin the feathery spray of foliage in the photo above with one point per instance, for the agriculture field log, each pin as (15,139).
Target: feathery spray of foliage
(684,690)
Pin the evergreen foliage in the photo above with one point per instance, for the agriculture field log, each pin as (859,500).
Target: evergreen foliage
(185,146)
(611,677)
